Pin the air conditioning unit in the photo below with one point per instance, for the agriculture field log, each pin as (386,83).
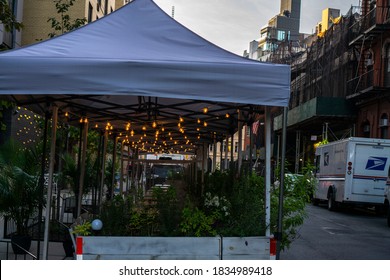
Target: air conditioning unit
(366,128)
(383,122)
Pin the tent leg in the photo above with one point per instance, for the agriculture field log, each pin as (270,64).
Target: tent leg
(267,170)
(50,182)
(281,191)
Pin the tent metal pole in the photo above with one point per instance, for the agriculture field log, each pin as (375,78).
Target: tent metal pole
(250,148)
(214,155)
(50,181)
(239,144)
(42,182)
(221,155)
(226,151)
(267,171)
(103,168)
(114,154)
(121,171)
(82,166)
(231,151)
(204,166)
(281,191)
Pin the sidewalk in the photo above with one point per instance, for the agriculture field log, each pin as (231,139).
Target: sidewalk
(56,251)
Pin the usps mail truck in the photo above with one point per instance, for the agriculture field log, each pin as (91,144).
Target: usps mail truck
(352,171)
(387,197)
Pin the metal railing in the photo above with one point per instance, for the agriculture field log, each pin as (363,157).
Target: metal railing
(360,83)
(377,16)
(8,252)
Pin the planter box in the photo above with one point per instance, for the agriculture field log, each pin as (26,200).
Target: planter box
(172,248)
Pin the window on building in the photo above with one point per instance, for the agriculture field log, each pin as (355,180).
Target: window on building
(387,66)
(384,126)
(366,129)
(236,147)
(90,12)
(224,146)
(281,35)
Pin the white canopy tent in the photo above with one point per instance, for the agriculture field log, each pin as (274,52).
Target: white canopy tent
(105,68)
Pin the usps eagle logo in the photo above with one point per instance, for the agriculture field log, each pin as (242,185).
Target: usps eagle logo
(376,163)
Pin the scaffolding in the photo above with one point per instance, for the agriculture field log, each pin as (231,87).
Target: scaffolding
(320,67)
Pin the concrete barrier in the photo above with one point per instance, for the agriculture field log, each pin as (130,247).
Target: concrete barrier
(171,248)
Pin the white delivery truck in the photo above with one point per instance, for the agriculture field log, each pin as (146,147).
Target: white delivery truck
(387,197)
(352,171)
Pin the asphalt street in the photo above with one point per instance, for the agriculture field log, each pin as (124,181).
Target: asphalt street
(348,234)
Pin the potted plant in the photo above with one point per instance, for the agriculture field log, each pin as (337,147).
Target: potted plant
(20,192)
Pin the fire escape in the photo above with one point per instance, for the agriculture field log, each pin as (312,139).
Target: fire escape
(368,82)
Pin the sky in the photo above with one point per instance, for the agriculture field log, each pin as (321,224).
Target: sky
(232,24)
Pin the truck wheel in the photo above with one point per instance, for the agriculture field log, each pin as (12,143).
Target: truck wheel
(331,201)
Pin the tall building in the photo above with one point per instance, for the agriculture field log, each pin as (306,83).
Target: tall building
(329,17)
(281,28)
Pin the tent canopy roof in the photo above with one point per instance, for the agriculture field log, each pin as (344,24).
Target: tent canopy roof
(140,65)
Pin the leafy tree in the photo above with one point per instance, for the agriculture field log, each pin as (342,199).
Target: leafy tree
(7,18)
(20,192)
(65,23)
(298,190)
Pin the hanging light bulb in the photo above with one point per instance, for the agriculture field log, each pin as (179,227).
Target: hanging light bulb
(154,124)
(205,124)
(128,126)
(205,110)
